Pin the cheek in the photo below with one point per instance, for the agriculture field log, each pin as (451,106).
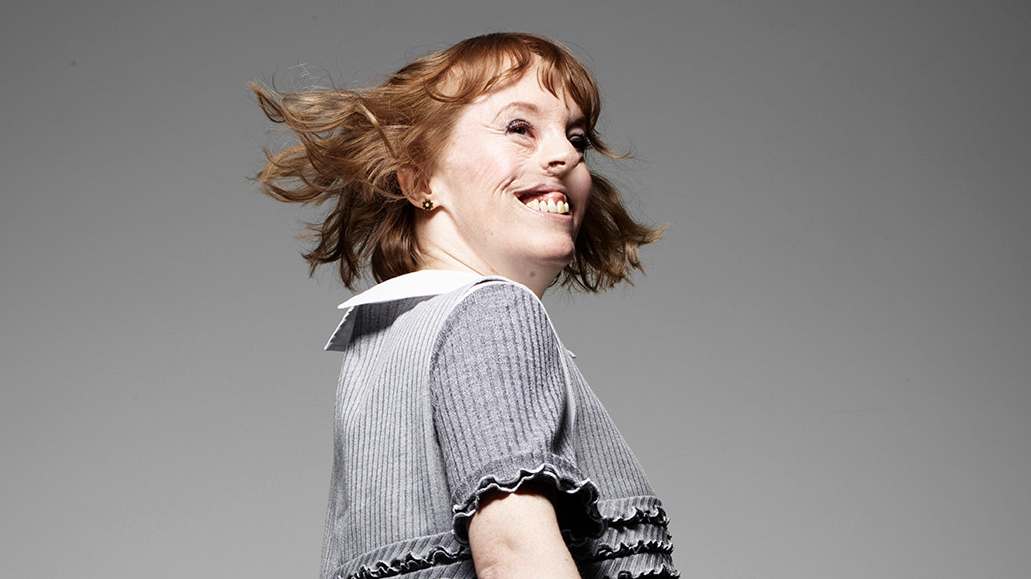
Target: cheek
(485,172)
(580,185)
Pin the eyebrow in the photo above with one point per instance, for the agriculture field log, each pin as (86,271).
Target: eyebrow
(580,121)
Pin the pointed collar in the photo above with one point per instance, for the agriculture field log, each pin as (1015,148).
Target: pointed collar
(424,282)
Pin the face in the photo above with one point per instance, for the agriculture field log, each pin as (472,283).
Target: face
(518,138)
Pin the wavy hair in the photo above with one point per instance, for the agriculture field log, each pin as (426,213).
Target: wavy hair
(352,143)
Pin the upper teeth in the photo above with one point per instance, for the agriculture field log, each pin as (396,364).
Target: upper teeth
(549,206)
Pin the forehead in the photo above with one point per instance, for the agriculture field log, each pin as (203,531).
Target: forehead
(530,90)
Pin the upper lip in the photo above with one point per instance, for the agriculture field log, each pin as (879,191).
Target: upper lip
(544,188)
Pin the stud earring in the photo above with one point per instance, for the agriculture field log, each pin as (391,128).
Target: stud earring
(427,205)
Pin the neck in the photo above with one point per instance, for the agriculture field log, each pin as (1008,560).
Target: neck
(536,278)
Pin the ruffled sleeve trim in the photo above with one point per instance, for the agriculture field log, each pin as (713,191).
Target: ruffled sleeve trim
(575,496)
(636,544)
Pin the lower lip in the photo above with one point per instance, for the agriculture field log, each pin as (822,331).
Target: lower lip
(561,217)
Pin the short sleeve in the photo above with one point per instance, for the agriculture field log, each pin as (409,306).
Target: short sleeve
(500,400)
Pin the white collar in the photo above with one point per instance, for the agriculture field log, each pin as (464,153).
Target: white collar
(424,282)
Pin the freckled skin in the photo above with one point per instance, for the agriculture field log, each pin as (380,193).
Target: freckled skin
(478,223)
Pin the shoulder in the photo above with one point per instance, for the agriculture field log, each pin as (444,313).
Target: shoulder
(493,313)
(496,296)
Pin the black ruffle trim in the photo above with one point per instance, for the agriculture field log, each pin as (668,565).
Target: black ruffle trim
(625,549)
(438,555)
(664,571)
(588,561)
(656,516)
(587,494)
(583,493)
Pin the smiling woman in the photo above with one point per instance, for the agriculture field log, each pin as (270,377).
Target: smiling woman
(356,146)
(467,441)
(515,145)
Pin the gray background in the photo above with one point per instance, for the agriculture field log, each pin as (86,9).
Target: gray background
(825,370)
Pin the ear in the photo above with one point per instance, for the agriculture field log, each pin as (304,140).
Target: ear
(406,178)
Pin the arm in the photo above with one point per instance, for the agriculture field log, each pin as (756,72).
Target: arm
(516,536)
(500,403)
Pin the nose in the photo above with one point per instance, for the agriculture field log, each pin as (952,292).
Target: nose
(559,155)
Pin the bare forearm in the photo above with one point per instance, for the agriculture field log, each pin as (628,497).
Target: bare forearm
(517,537)
(531,556)
(531,565)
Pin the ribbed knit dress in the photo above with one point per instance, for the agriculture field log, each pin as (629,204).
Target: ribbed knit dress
(454,386)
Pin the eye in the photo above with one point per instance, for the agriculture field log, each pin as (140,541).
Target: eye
(518,125)
(580,142)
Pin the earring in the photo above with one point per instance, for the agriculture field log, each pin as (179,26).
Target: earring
(427,205)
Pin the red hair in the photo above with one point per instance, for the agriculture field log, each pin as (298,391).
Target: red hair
(352,143)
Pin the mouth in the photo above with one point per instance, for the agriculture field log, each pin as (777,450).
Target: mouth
(546,202)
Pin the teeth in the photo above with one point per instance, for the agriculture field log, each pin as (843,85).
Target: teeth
(549,206)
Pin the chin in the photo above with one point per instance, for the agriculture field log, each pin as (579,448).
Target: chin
(553,249)
(553,260)
(551,252)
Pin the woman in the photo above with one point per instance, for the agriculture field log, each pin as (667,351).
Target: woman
(467,442)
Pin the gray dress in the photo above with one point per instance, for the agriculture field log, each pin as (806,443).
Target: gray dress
(454,386)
